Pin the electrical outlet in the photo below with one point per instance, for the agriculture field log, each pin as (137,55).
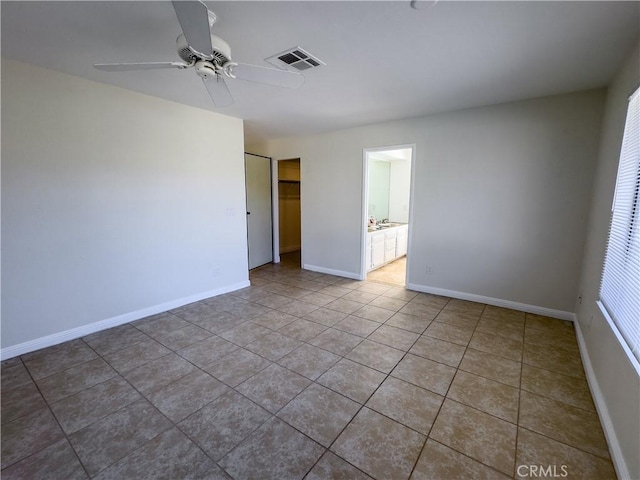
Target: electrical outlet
(429,269)
(216,271)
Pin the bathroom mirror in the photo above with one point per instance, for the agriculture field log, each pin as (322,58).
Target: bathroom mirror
(389,184)
(379,176)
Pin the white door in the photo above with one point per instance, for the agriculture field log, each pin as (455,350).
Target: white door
(259,224)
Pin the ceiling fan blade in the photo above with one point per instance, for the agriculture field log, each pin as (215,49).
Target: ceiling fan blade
(218,91)
(124,67)
(271,76)
(194,20)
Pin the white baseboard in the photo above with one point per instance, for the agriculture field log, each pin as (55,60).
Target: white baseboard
(331,271)
(523,307)
(84,330)
(601,406)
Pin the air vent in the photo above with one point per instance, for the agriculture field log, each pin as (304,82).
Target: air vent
(295,59)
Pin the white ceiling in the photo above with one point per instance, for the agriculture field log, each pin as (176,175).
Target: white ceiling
(402,154)
(385,60)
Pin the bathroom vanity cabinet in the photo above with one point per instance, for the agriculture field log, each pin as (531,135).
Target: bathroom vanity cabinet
(385,245)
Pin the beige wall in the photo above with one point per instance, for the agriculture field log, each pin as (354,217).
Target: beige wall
(110,209)
(500,199)
(614,381)
(512,202)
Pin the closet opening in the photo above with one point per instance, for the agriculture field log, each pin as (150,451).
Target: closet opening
(289,213)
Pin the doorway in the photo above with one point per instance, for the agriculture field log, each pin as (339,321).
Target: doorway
(259,219)
(289,213)
(386,214)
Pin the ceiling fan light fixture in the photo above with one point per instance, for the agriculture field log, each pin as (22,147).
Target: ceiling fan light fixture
(205,70)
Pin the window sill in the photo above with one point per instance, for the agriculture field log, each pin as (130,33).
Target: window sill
(621,340)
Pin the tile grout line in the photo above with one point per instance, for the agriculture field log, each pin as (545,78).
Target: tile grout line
(444,397)
(388,375)
(515,456)
(48,406)
(328,449)
(143,397)
(172,423)
(521,366)
(293,299)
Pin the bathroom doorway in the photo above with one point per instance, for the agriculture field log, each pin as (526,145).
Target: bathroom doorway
(386,213)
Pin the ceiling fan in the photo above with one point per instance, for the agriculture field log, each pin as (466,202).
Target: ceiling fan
(210,56)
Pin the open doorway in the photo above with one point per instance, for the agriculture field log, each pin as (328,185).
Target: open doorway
(289,214)
(386,213)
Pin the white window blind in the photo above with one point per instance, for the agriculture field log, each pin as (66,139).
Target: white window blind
(620,287)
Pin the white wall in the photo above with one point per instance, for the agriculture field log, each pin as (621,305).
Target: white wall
(500,203)
(113,204)
(614,381)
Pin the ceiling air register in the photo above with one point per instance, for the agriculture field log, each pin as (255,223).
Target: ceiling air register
(295,59)
(210,56)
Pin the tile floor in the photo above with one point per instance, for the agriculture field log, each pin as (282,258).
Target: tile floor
(306,375)
(394,272)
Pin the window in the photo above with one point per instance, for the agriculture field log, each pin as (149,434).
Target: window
(620,287)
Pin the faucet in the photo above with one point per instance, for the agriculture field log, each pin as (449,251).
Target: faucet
(384,220)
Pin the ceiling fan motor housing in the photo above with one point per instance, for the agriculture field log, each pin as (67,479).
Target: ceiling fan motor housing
(221,50)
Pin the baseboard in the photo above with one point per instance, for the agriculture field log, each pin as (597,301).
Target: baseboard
(331,271)
(601,406)
(523,307)
(84,330)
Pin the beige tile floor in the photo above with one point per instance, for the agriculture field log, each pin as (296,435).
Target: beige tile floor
(306,375)
(394,272)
